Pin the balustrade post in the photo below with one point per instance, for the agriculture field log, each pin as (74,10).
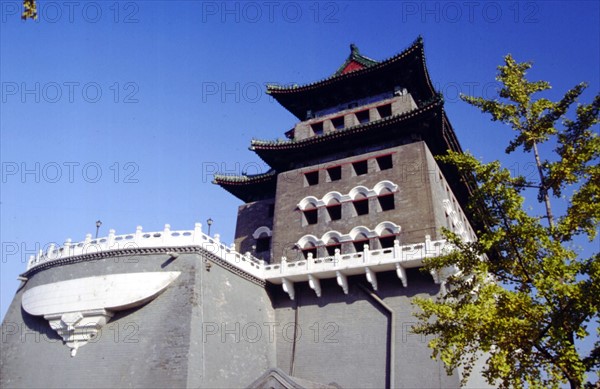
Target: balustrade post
(111,239)
(366,253)
(397,250)
(67,248)
(166,235)
(138,235)
(310,261)
(50,252)
(429,249)
(197,237)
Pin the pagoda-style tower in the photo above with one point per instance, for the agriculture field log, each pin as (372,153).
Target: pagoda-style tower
(317,292)
(357,172)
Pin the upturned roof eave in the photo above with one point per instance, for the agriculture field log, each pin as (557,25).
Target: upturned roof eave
(257,145)
(275,90)
(221,179)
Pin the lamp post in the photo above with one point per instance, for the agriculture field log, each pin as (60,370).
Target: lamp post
(98,224)
(209,222)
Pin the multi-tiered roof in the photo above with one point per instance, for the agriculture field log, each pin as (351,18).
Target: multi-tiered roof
(357,78)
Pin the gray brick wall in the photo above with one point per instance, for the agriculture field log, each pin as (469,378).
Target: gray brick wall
(250,217)
(157,345)
(350,345)
(414,201)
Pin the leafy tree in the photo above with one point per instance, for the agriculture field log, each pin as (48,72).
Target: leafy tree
(523,295)
(29,9)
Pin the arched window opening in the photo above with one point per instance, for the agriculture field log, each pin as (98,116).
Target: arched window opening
(361,205)
(309,248)
(386,201)
(263,243)
(310,215)
(334,210)
(387,238)
(332,245)
(359,242)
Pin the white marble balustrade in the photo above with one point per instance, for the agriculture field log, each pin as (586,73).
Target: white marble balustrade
(368,262)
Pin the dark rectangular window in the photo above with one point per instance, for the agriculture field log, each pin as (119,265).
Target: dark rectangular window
(331,248)
(338,123)
(317,128)
(384,162)
(363,116)
(311,216)
(387,241)
(335,212)
(313,251)
(361,207)
(311,178)
(359,245)
(386,202)
(360,167)
(385,110)
(334,173)
(263,244)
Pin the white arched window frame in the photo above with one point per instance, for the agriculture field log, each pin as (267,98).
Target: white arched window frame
(389,226)
(261,232)
(383,187)
(360,236)
(308,202)
(388,233)
(358,193)
(308,244)
(333,205)
(262,236)
(332,240)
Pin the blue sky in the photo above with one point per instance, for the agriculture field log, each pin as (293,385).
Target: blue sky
(122,111)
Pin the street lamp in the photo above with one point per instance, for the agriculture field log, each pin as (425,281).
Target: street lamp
(209,222)
(98,224)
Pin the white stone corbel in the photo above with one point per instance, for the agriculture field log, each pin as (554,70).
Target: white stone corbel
(342,281)
(314,284)
(78,328)
(288,287)
(401,272)
(371,277)
(78,308)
